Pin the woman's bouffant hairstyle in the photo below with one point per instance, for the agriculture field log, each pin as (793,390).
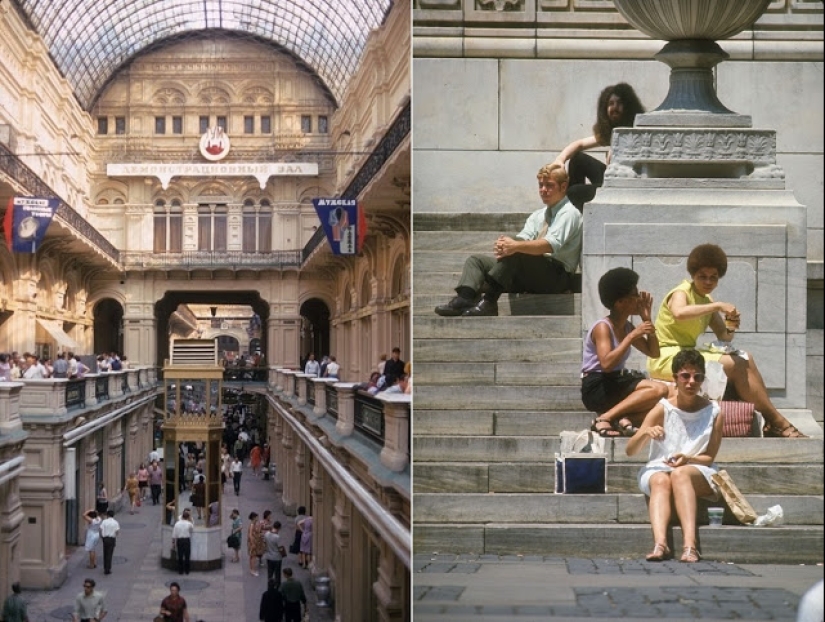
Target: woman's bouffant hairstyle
(615,284)
(603,130)
(688,358)
(707,256)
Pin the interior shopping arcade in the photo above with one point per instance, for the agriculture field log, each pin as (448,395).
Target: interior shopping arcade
(185,143)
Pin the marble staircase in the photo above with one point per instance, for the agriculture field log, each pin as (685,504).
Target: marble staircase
(492,396)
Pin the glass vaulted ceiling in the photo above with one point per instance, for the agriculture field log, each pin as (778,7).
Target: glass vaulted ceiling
(90,39)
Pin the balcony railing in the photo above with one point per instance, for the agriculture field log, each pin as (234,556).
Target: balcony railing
(246,374)
(26,177)
(212,259)
(369,417)
(310,391)
(75,394)
(395,135)
(102,388)
(332,401)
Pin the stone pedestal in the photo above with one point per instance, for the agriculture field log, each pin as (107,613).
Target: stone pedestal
(208,544)
(651,225)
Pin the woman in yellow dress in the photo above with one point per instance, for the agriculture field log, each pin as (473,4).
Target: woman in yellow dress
(131,488)
(687,311)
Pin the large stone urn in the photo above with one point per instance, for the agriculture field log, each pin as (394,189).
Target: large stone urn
(691,28)
(692,172)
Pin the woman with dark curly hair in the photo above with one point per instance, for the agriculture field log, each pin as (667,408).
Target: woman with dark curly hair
(686,312)
(618,106)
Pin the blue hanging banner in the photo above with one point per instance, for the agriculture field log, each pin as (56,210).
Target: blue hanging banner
(26,221)
(343,224)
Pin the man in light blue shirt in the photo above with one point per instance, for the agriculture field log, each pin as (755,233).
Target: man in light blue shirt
(541,259)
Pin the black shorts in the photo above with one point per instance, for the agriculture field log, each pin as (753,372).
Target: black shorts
(601,392)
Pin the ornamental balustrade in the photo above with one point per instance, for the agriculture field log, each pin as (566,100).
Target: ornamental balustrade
(382,419)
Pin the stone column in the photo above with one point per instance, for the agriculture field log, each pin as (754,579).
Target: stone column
(12,439)
(287,469)
(390,587)
(276,427)
(303,464)
(319,386)
(289,389)
(346,408)
(139,331)
(322,532)
(301,385)
(396,452)
(43,561)
(113,473)
(340,575)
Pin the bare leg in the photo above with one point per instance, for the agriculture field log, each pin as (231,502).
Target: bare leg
(750,385)
(636,405)
(688,484)
(659,507)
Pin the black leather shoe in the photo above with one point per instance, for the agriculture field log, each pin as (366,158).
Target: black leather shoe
(456,306)
(485,307)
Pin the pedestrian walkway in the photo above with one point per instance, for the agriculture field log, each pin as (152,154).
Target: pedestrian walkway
(138,583)
(492,588)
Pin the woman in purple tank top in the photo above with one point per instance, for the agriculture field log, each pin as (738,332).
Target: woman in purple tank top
(619,396)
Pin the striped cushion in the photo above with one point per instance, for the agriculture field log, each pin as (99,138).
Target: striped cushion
(738,418)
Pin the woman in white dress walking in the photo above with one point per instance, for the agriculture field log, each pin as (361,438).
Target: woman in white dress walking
(92,536)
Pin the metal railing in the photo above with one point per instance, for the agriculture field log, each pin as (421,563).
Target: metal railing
(102,388)
(75,394)
(12,165)
(369,417)
(389,142)
(213,259)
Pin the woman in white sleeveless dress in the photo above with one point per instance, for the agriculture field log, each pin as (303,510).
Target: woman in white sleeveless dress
(92,536)
(685,432)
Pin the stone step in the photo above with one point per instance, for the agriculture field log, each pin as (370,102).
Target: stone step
(612,509)
(493,423)
(445,282)
(508,327)
(491,449)
(424,304)
(452,241)
(501,374)
(432,262)
(424,223)
(552,350)
(734,544)
(546,397)
(539,477)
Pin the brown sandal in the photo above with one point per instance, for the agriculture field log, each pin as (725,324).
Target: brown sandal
(604,432)
(660,553)
(771,431)
(690,555)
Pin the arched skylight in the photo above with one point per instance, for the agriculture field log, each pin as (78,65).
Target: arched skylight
(89,39)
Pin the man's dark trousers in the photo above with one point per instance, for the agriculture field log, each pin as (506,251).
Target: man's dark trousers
(273,570)
(292,611)
(518,273)
(184,549)
(155,494)
(108,552)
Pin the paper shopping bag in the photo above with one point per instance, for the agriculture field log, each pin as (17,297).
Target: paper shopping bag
(735,500)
